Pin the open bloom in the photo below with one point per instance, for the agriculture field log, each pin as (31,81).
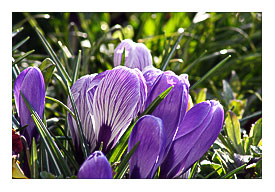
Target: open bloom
(31,83)
(107,103)
(96,166)
(137,55)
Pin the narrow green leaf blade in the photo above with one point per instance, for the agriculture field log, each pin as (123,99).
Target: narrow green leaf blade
(121,169)
(171,53)
(211,72)
(22,57)
(20,43)
(231,173)
(34,165)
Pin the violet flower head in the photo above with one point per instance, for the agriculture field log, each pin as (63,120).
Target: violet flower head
(107,103)
(197,132)
(96,166)
(31,83)
(137,55)
(144,162)
(173,108)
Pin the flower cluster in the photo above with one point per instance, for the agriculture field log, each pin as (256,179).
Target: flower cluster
(172,137)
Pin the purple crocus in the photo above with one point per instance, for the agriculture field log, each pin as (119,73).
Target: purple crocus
(137,55)
(173,108)
(149,131)
(31,83)
(197,132)
(96,166)
(107,103)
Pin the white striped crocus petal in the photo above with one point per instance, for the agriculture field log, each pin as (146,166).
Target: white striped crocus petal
(137,55)
(83,92)
(116,100)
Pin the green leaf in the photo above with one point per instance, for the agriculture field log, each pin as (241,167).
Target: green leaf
(201,96)
(123,166)
(47,175)
(171,53)
(61,104)
(20,43)
(76,68)
(256,132)
(34,164)
(51,146)
(235,82)
(238,107)
(231,173)
(22,57)
(211,72)
(227,92)
(189,67)
(54,57)
(47,67)
(16,31)
(67,81)
(193,170)
(232,126)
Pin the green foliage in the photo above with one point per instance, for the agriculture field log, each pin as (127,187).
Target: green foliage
(221,52)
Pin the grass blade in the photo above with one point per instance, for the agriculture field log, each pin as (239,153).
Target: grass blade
(22,57)
(34,165)
(228,175)
(20,43)
(167,59)
(51,146)
(54,57)
(188,68)
(66,79)
(211,72)
(76,67)
(123,166)
(61,104)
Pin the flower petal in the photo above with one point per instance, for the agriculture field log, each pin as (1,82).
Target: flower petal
(96,166)
(142,57)
(80,94)
(137,55)
(129,47)
(197,132)
(115,102)
(150,75)
(173,108)
(31,83)
(149,131)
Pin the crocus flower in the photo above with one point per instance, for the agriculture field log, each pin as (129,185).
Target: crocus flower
(96,166)
(107,103)
(31,83)
(137,55)
(173,108)
(197,132)
(144,162)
